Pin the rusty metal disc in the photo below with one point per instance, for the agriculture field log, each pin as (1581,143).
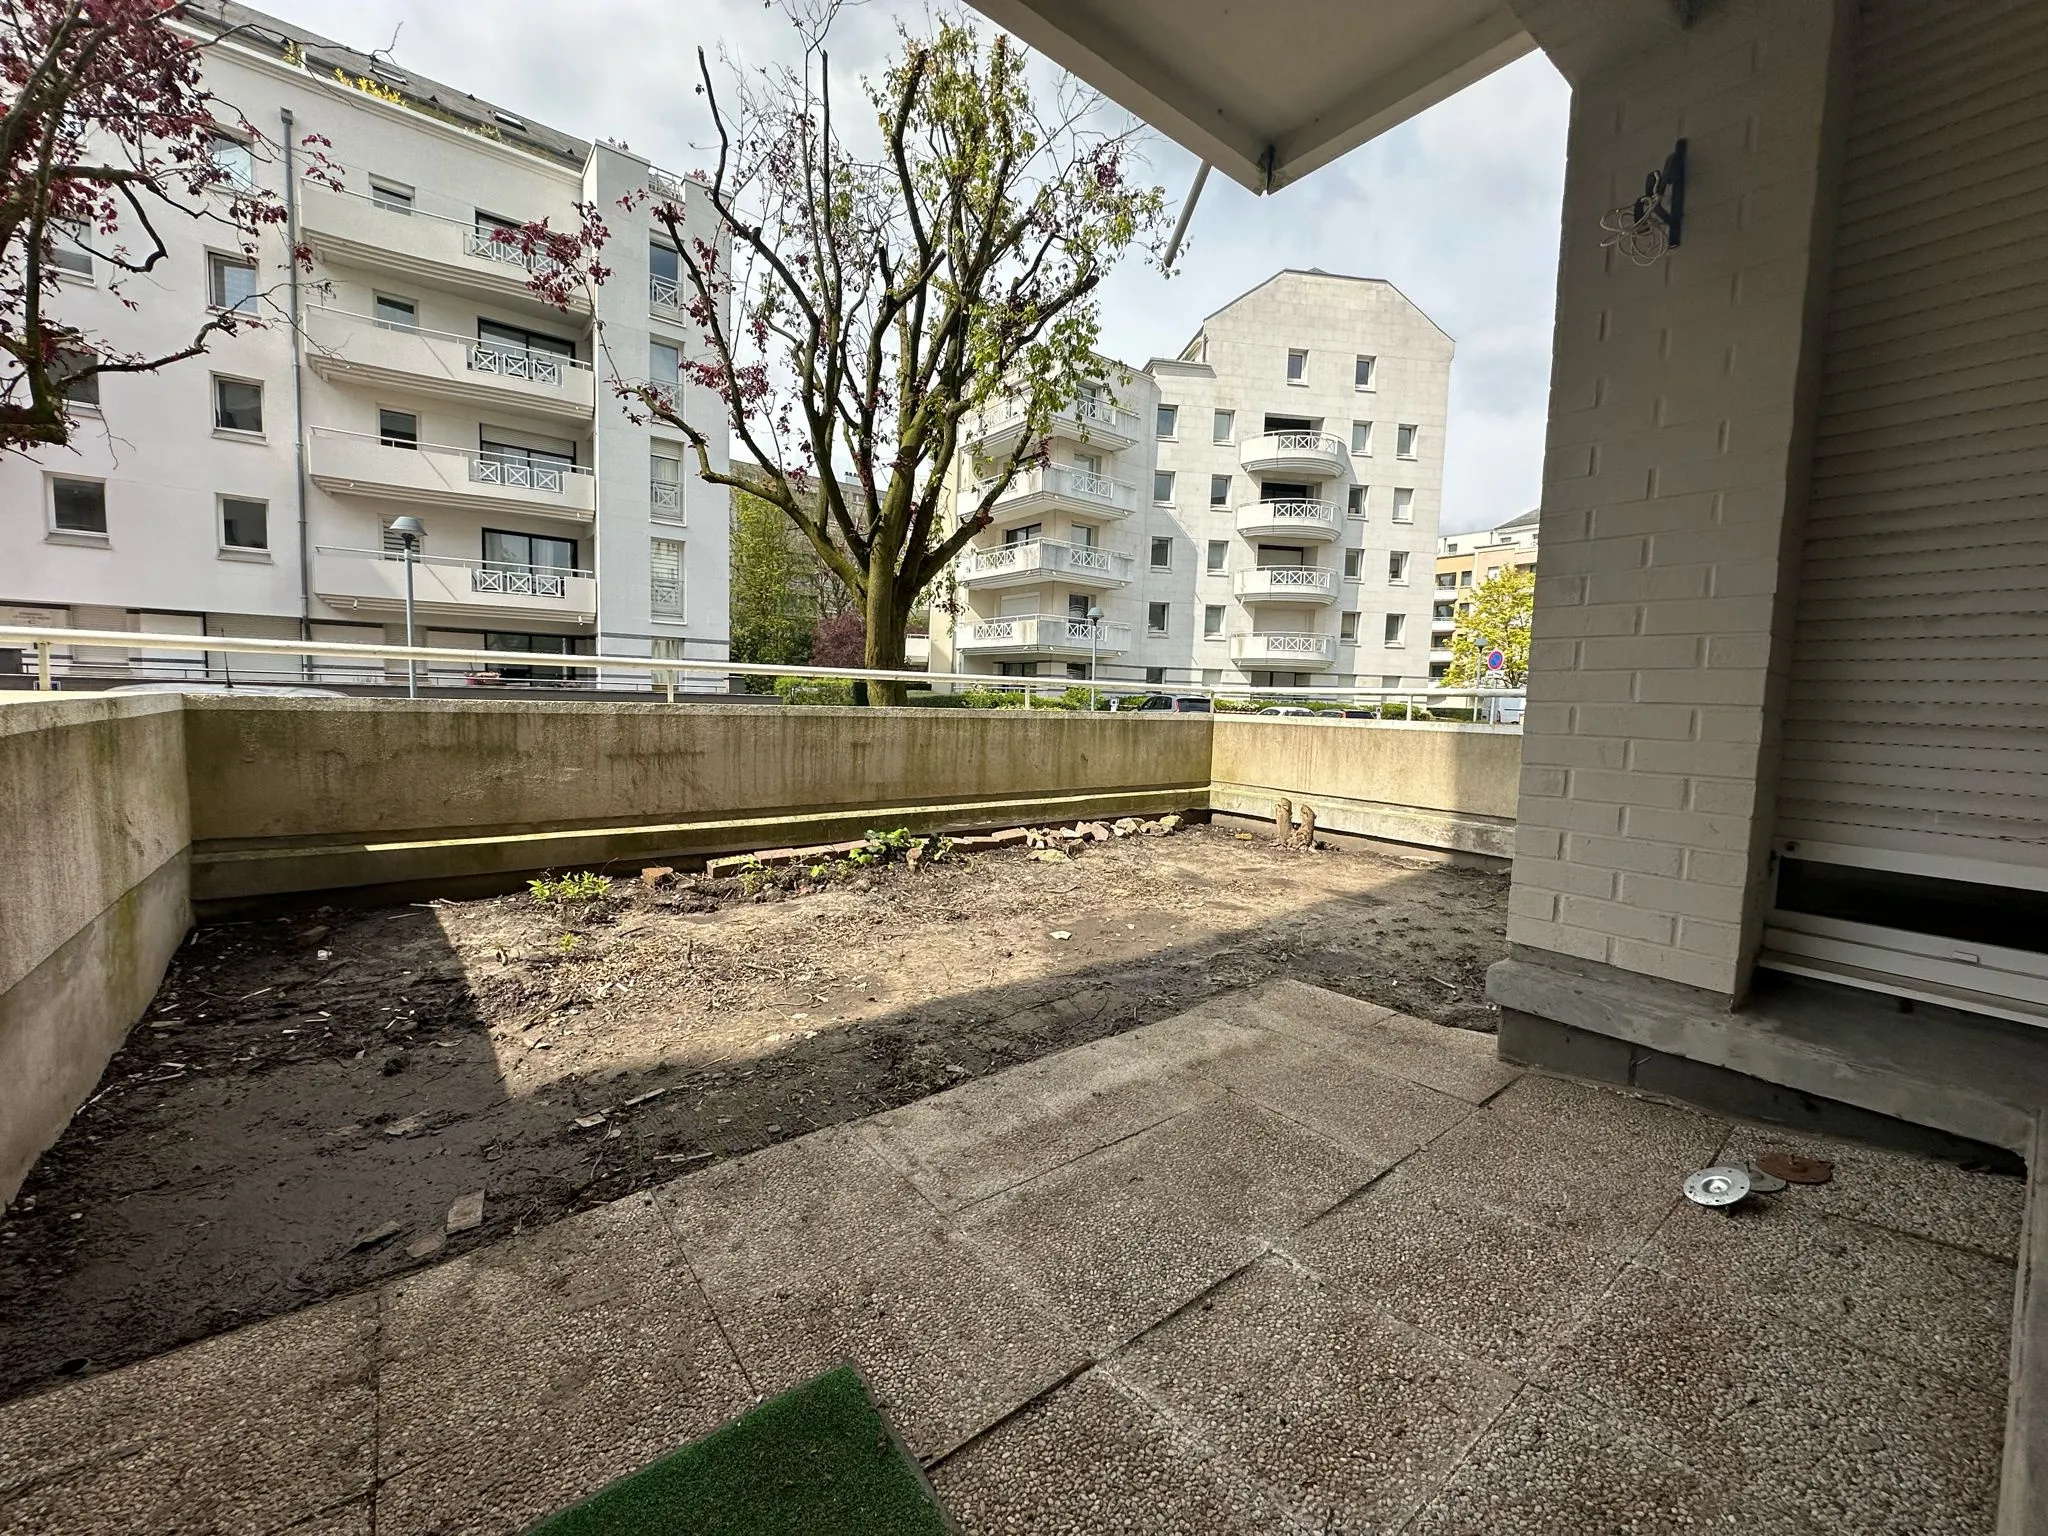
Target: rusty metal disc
(1794,1169)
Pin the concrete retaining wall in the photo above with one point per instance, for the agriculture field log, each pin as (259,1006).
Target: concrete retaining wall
(94,830)
(1434,785)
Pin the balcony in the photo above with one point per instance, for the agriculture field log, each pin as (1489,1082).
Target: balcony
(1044,488)
(1039,634)
(349,228)
(431,475)
(665,501)
(1284,584)
(358,349)
(370,581)
(1078,565)
(1315,521)
(1095,421)
(1296,455)
(1287,652)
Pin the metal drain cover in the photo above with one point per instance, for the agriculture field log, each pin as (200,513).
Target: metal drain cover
(1718,1186)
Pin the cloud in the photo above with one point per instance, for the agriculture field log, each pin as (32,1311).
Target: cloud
(1457,208)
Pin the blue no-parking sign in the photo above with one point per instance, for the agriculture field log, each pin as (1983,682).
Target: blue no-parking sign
(1495,661)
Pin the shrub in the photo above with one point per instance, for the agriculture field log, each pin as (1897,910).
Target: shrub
(1393,711)
(814,690)
(583,885)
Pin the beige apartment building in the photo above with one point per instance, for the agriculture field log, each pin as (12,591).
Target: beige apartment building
(1468,560)
(1258,509)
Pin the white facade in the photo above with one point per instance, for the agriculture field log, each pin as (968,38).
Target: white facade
(1261,510)
(1468,560)
(248,492)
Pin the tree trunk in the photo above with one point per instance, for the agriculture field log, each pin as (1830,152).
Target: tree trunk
(887,618)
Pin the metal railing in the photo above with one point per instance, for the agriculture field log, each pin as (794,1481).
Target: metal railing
(663,671)
(665,496)
(1092,486)
(1085,412)
(1282,643)
(519,581)
(485,243)
(1303,514)
(536,367)
(1049,630)
(1050,556)
(521,474)
(1279,445)
(1284,579)
(664,291)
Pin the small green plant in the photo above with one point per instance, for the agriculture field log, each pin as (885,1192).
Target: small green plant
(814,690)
(567,943)
(582,885)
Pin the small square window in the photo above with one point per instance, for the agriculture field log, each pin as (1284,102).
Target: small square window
(1354,501)
(244,524)
(1219,490)
(1361,372)
(392,195)
(1212,621)
(1162,486)
(1077,669)
(231,284)
(1464,578)
(1155,618)
(1404,506)
(81,394)
(1397,623)
(397,314)
(664,364)
(233,159)
(78,506)
(1397,566)
(237,405)
(398,429)
(1361,437)
(1297,367)
(1347,627)
(1219,555)
(1223,427)
(1162,554)
(1155,674)
(1404,441)
(68,252)
(1354,564)
(1169,418)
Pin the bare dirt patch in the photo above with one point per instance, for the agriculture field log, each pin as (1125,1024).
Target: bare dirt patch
(305,1084)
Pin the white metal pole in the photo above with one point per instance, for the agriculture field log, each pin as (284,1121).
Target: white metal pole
(412,681)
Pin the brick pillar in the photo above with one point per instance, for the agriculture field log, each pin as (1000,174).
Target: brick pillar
(1680,410)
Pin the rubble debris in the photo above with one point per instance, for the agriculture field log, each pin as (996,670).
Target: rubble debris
(657,875)
(1283,820)
(1051,856)
(655,1093)
(1795,1169)
(467,1212)
(1095,831)
(406,1126)
(426,1245)
(590,1122)
(1061,934)
(1125,826)
(375,1236)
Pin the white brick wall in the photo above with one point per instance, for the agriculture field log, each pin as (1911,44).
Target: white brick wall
(1681,394)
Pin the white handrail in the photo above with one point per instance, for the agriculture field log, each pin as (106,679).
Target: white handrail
(1295,442)
(467,453)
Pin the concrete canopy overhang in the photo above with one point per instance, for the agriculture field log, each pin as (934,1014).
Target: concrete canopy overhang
(1268,92)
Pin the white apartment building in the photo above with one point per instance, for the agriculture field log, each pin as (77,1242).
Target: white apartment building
(1259,510)
(1468,560)
(250,492)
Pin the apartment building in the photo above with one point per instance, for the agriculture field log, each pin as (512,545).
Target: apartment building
(252,492)
(1255,510)
(1468,560)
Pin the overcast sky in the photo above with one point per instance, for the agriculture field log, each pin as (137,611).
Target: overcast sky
(1457,208)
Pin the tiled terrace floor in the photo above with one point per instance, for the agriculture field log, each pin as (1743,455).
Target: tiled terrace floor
(1287,1263)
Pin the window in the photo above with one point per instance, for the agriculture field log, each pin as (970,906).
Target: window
(1083,534)
(68,252)
(1078,606)
(1162,486)
(1445,611)
(665,484)
(1404,506)
(398,429)
(665,577)
(1464,578)
(1397,566)
(396,314)
(244,524)
(665,368)
(1219,490)
(1155,618)
(1361,372)
(534,469)
(1297,367)
(1030,533)
(81,394)
(78,506)
(394,542)
(1162,554)
(1354,501)
(1155,674)
(1212,622)
(1169,419)
(1396,624)
(1361,437)
(233,159)
(529,555)
(1077,669)
(1223,426)
(1347,628)
(392,195)
(518,339)
(231,284)
(1017,668)
(1219,555)
(1404,441)
(530,645)
(1354,564)
(664,275)
(237,405)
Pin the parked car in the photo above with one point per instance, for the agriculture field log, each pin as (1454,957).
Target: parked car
(246,690)
(1287,709)
(1165,703)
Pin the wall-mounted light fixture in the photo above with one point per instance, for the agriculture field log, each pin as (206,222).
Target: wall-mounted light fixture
(1646,229)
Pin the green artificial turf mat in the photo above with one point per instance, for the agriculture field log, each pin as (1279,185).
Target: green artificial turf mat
(814,1461)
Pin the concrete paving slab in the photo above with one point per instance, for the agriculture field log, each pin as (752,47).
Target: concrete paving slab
(1956,1205)
(1927,1304)
(1374,1115)
(523,1376)
(1615,1129)
(1111,1245)
(355,1518)
(1341,1415)
(246,1432)
(1785,1415)
(947,1344)
(1090,1459)
(1490,1285)
(1458,1062)
(1546,1468)
(800,1203)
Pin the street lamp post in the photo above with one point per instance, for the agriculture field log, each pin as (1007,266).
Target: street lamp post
(410,531)
(1094,650)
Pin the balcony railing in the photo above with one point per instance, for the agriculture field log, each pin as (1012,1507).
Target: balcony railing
(1090,488)
(376,350)
(484,242)
(521,474)
(1048,557)
(535,367)
(1302,519)
(665,499)
(1311,453)
(1045,632)
(665,292)
(518,580)
(375,580)
(434,474)
(1284,649)
(1285,583)
(1089,416)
